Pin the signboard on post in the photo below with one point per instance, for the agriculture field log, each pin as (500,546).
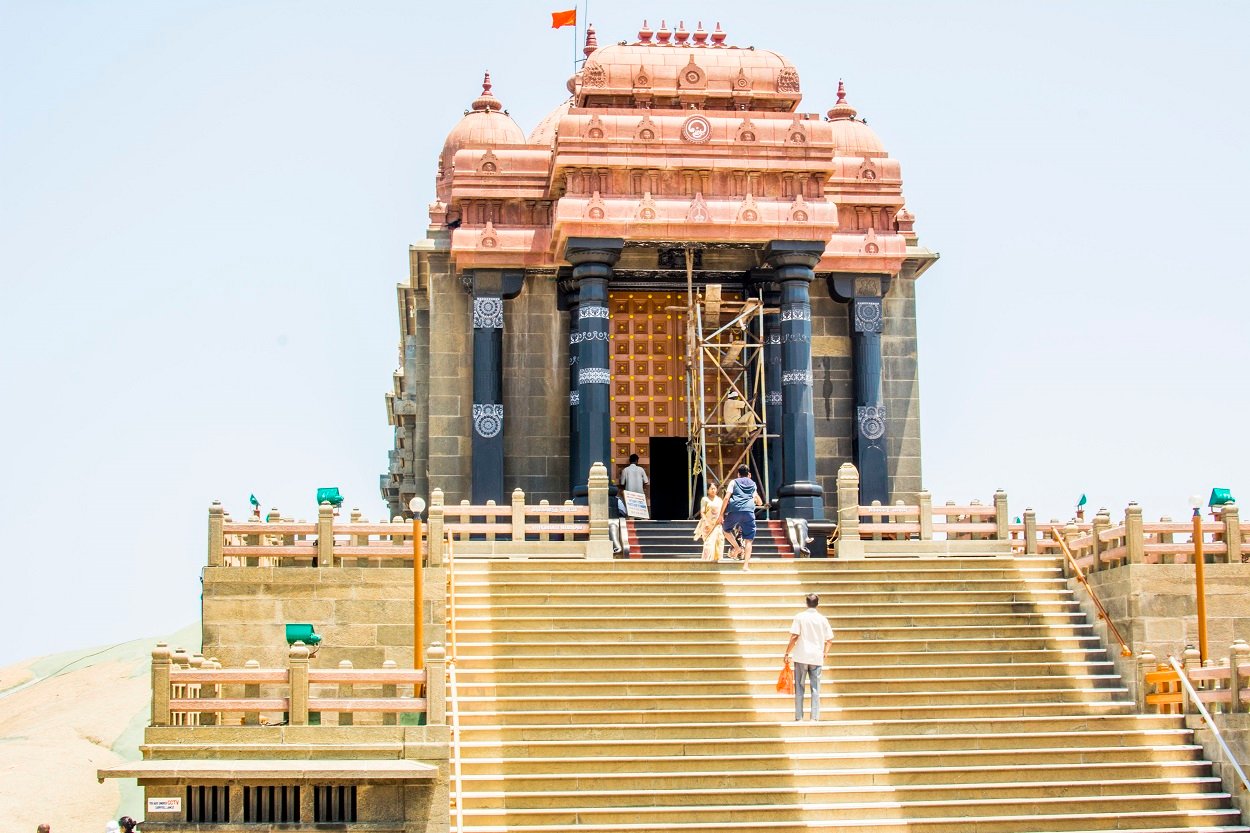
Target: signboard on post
(635,504)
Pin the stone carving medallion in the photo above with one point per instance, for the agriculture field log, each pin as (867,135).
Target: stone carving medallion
(871,419)
(867,315)
(487,314)
(487,419)
(696,130)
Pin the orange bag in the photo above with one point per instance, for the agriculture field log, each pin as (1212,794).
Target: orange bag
(785,681)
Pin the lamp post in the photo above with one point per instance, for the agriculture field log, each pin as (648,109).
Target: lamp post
(1200,580)
(417,505)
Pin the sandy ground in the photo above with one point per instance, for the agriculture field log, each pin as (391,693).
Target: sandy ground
(62,718)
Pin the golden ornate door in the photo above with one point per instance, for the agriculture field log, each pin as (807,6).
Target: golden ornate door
(648,349)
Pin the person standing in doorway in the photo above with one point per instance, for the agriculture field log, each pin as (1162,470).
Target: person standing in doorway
(741,498)
(810,638)
(633,477)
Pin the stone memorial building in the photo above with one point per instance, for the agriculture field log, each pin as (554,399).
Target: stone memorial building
(547,320)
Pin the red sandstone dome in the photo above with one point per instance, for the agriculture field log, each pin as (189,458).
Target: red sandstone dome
(684,69)
(484,124)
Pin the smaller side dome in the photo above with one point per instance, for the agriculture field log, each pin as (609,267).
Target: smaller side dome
(485,123)
(851,136)
(545,133)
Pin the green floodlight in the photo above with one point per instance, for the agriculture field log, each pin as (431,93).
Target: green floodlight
(330,495)
(1220,497)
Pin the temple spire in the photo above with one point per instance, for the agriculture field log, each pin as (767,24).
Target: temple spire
(841,110)
(487,100)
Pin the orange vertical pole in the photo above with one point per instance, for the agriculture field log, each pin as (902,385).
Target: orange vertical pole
(1200,586)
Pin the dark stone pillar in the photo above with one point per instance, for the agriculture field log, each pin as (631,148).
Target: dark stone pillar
(489,288)
(793,262)
(569,303)
(592,259)
(864,293)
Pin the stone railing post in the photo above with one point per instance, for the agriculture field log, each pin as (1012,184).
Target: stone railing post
(518,515)
(161,663)
(1134,537)
(599,547)
(325,535)
(1191,660)
(849,544)
(206,691)
(1030,531)
(251,691)
(297,683)
(1101,523)
(436,685)
(346,692)
(1070,533)
(1238,683)
(925,501)
(216,533)
(1146,662)
(1002,531)
(389,691)
(434,538)
(1232,531)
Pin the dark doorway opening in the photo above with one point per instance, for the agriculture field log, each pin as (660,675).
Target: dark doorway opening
(669,478)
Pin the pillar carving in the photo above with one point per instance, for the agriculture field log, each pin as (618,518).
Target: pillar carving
(793,262)
(489,288)
(568,302)
(772,385)
(592,259)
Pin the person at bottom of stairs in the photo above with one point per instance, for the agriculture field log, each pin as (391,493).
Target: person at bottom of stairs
(810,638)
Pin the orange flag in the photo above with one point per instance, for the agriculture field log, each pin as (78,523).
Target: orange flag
(559,19)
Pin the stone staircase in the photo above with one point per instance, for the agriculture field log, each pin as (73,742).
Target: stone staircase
(675,539)
(963,695)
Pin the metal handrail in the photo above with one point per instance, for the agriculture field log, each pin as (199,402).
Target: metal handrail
(1206,716)
(1125,651)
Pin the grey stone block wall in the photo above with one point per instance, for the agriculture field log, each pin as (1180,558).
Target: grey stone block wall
(900,383)
(450,382)
(833,389)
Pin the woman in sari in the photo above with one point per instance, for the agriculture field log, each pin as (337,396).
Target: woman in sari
(709,529)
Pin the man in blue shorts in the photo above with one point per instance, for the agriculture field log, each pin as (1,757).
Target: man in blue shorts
(738,511)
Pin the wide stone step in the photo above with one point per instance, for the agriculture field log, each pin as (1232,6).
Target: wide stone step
(736,668)
(763,682)
(681,628)
(911,795)
(775,711)
(720,608)
(831,594)
(870,777)
(1073,725)
(844,653)
(910,648)
(1187,806)
(595,747)
(729,572)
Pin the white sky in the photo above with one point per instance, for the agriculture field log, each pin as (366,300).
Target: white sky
(205,206)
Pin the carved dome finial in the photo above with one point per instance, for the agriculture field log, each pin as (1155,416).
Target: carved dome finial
(487,100)
(841,110)
(681,35)
(700,35)
(592,43)
(644,34)
(663,35)
(718,37)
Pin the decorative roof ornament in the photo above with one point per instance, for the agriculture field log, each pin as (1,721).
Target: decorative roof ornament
(681,35)
(644,34)
(663,35)
(718,37)
(487,100)
(592,43)
(841,111)
(700,35)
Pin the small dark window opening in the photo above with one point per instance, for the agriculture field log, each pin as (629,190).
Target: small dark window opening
(207,805)
(334,804)
(270,805)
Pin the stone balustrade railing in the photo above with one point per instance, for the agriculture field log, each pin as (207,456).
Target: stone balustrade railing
(561,529)
(192,691)
(922,521)
(1134,541)
(1221,688)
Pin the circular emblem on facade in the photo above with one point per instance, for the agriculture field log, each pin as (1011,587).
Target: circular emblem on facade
(487,420)
(747,136)
(872,248)
(647,214)
(750,216)
(869,174)
(797,137)
(692,76)
(646,135)
(596,213)
(697,129)
(594,133)
(871,422)
(799,216)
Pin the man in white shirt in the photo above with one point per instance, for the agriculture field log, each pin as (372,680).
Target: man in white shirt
(633,477)
(810,638)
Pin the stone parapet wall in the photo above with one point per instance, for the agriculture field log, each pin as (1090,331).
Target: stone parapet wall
(363,614)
